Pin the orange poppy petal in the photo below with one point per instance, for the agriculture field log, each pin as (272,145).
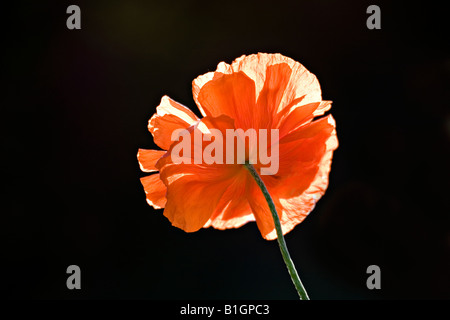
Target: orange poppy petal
(301,81)
(323,107)
(235,215)
(285,84)
(200,81)
(201,185)
(193,193)
(289,216)
(301,153)
(260,209)
(232,95)
(277,78)
(233,210)
(294,210)
(298,116)
(148,158)
(310,130)
(170,115)
(302,177)
(221,123)
(255,91)
(155,190)
(295,196)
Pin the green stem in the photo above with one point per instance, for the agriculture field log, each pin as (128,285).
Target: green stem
(284,251)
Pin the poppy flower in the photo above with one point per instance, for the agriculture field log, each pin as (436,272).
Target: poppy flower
(259,91)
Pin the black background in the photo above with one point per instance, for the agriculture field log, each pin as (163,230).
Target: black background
(75,106)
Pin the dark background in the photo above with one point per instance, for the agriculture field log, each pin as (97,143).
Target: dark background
(75,106)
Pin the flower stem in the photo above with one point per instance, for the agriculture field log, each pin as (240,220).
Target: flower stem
(282,243)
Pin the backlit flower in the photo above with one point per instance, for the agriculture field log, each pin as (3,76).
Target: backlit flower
(260,91)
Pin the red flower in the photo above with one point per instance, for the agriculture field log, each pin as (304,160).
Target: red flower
(260,91)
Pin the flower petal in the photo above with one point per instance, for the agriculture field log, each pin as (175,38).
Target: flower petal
(260,210)
(197,145)
(232,95)
(310,130)
(301,82)
(264,217)
(233,210)
(284,78)
(301,153)
(323,107)
(277,78)
(256,91)
(148,158)
(170,115)
(295,209)
(193,193)
(155,190)
(298,116)
(201,185)
(200,81)
(302,177)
